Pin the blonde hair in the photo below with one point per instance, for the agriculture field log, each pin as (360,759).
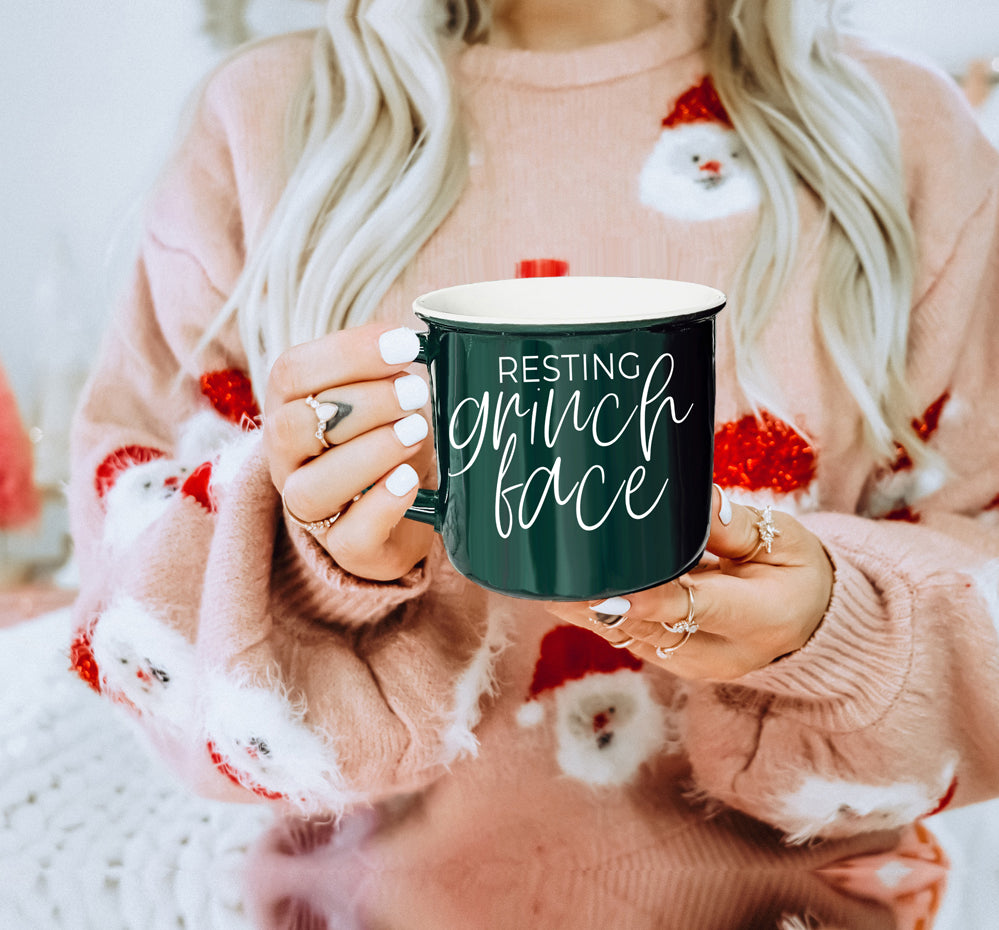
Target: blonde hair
(379,159)
(808,112)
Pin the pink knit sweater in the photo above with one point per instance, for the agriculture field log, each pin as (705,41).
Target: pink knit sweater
(260,669)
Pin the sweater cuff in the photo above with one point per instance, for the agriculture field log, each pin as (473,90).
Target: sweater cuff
(316,586)
(852,669)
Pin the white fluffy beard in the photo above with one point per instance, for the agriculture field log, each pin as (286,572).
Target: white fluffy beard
(263,736)
(606,726)
(146,662)
(699,171)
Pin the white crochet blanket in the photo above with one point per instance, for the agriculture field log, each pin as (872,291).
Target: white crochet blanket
(94,833)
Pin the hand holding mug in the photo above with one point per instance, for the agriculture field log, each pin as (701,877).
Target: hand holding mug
(763,598)
(342,418)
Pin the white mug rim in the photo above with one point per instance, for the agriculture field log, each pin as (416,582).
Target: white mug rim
(560,302)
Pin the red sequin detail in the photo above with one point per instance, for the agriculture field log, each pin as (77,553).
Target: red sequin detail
(948,796)
(700,104)
(570,652)
(762,454)
(198,486)
(904,513)
(925,427)
(231,394)
(81,656)
(121,460)
(542,268)
(238,778)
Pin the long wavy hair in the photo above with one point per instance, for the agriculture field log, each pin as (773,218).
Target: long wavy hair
(379,159)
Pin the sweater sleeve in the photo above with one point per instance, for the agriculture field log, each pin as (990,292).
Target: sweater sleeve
(256,666)
(889,712)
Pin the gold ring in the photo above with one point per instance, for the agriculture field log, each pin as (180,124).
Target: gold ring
(624,644)
(311,526)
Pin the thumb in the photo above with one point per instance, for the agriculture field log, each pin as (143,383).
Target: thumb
(741,534)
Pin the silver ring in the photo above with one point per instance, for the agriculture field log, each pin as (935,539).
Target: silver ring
(688,624)
(767,531)
(667,652)
(325,411)
(624,644)
(311,526)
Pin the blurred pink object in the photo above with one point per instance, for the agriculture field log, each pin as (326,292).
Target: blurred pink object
(20,502)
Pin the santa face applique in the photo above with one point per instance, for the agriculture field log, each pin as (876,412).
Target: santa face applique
(606,723)
(699,168)
(259,740)
(144,664)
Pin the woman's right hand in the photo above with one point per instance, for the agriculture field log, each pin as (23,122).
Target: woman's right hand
(377,441)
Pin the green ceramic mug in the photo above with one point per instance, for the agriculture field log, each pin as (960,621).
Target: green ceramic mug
(574,431)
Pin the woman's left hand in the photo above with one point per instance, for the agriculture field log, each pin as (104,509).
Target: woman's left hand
(731,615)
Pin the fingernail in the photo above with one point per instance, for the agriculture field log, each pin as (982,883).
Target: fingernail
(399,345)
(411,429)
(725,510)
(412,392)
(613,605)
(402,480)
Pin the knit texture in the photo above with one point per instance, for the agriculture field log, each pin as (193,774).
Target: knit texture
(260,669)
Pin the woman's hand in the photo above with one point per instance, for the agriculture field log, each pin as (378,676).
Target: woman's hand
(747,608)
(375,440)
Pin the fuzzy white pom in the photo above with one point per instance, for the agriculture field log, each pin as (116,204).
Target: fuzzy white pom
(530,714)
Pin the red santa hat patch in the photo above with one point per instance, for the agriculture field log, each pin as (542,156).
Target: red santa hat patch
(570,652)
(700,104)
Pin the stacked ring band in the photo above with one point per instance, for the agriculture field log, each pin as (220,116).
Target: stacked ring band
(311,526)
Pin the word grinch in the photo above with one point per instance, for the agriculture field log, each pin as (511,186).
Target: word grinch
(608,422)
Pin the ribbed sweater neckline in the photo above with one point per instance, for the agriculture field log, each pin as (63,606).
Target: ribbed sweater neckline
(658,45)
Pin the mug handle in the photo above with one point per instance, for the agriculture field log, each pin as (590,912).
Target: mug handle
(424,509)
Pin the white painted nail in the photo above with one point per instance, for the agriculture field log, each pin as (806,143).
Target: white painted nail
(412,392)
(411,429)
(399,345)
(402,480)
(613,605)
(725,510)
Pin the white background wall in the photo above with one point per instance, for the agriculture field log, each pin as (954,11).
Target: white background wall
(90,95)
